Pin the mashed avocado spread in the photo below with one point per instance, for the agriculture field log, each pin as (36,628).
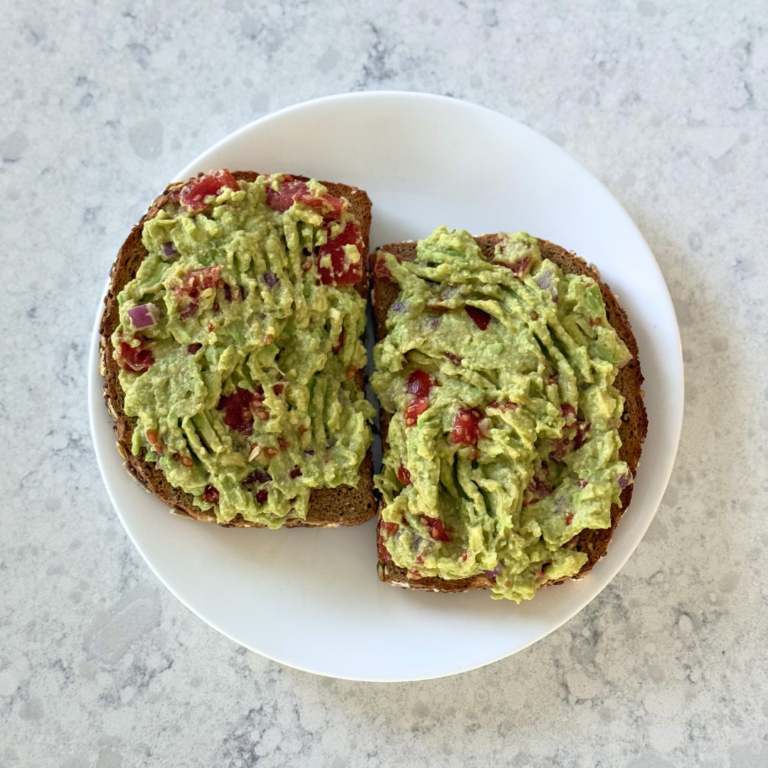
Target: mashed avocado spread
(239,341)
(504,443)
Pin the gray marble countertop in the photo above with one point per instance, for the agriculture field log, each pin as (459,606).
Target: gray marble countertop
(102,103)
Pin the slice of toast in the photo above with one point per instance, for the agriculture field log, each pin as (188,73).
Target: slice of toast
(328,507)
(634,422)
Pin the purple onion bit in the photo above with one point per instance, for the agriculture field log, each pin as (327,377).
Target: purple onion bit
(168,251)
(143,316)
(270,279)
(544,281)
(496,571)
(398,306)
(623,481)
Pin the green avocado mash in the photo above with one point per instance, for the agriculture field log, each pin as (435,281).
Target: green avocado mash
(238,352)
(504,440)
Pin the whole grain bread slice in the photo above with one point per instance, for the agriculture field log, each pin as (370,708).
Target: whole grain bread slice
(634,422)
(328,507)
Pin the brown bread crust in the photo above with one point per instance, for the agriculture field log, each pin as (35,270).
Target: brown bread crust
(634,422)
(328,507)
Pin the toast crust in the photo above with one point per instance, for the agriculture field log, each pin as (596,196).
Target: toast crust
(634,421)
(328,507)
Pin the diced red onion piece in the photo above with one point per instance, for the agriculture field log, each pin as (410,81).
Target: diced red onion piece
(270,279)
(623,481)
(496,571)
(168,251)
(398,306)
(544,281)
(143,316)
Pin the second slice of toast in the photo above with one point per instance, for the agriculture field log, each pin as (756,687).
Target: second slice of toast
(633,429)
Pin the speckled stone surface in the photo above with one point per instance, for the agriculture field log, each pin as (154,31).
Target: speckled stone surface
(102,103)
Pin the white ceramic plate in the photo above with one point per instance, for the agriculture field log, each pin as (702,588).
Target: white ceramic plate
(311,598)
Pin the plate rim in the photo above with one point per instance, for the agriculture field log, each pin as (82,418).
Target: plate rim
(675,430)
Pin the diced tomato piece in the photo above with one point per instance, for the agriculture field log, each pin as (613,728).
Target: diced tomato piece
(192,197)
(581,434)
(560,449)
(518,267)
(192,284)
(380,269)
(193,348)
(569,412)
(403,475)
(415,409)
(463,556)
(187,308)
(281,200)
(540,487)
(262,495)
(197,280)
(238,413)
(568,518)
(438,532)
(333,205)
(210,494)
(436,528)
(200,279)
(537,490)
(279,388)
(295,472)
(465,431)
(296,191)
(135,359)
(479,318)
(389,529)
(283,444)
(339,343)
(419,383)
(341,271)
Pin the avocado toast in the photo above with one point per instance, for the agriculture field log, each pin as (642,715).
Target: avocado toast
(512,413)
(231,354)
